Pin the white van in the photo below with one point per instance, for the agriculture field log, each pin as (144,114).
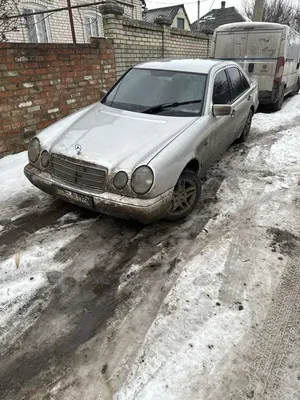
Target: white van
(268,52)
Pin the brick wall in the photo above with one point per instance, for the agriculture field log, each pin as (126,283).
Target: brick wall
(137,41)
(41,83)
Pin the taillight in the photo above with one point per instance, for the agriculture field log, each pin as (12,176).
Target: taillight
(279,69)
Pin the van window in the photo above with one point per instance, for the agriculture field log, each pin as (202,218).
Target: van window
(236,82)
(221,94)
(245,83)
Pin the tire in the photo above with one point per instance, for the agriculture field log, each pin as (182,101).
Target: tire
(278,104)
(185,197)
(297,88)
(246,130)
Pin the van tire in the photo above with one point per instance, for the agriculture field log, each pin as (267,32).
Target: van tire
(246,129)
(297,88)
(278,104)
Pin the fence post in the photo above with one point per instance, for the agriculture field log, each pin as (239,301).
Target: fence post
(165,22)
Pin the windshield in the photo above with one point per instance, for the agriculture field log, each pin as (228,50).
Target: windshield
(142,90)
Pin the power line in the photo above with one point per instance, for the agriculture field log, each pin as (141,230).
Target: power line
(51,11)
(212,4)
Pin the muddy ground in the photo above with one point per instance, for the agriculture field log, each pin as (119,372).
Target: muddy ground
(119,291)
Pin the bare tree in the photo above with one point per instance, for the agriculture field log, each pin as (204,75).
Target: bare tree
(7,9)
(280,11)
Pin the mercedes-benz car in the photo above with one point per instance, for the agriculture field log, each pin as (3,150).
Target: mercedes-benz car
(140,152)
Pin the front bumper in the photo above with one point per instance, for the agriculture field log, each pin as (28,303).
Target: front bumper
(143,210)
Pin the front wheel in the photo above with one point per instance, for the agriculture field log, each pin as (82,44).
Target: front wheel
(185,197)
(246,130)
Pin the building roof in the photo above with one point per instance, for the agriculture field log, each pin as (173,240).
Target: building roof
(200,66)
(216,17)
(168,12)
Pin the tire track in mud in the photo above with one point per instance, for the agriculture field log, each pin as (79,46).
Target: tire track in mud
(80,307)
(33,222)
(272,345)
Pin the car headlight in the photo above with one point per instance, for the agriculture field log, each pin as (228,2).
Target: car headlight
(34,150)
(120,180)
(45,158)
(142,180)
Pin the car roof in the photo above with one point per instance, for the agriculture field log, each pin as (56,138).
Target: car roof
(199,66)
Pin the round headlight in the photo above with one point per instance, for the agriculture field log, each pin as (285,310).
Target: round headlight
(45,158)
(120,180)
(34,150)
(142,180)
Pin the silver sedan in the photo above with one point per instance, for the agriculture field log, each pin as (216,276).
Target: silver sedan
(140,152)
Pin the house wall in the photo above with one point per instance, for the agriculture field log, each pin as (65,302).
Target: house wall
(59,23)
(182,15)
(137,41)
(41,83)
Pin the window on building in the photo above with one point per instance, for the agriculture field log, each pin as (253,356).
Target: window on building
(93,26)
(180,23)
(37,25)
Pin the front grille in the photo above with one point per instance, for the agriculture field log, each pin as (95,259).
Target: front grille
(78,172)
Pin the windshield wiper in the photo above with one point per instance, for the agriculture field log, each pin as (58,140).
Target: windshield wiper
(164,106)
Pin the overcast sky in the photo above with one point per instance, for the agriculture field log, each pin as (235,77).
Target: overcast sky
(191,5)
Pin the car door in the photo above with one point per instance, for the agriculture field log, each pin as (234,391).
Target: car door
(241,99)
(222,127)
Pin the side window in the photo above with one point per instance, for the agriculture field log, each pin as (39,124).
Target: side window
(221,94)
(245,82)
(236,82)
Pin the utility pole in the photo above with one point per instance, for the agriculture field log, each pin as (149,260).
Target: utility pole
(258,10)
(198,20)
(71,21)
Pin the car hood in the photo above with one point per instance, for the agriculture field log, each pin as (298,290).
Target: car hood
(113,138)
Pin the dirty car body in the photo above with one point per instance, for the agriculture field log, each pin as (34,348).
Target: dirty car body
(124,156)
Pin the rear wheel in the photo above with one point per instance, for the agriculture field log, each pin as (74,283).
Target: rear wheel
(297,88)
(278,104)
(246,130)
(185,197)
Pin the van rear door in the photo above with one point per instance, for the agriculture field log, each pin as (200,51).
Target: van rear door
(256,51)
(261,56)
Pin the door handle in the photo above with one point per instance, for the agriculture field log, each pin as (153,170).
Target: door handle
(249,97)
(206,143)
(233,113)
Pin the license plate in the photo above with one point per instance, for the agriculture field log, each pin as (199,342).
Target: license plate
(74,197)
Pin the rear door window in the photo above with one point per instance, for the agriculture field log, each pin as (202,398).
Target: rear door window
(245,82)
(221,94)
(236,82)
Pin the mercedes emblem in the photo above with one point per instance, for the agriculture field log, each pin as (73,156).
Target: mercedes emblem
(78,148)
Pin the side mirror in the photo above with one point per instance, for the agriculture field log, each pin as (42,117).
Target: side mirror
(221,110)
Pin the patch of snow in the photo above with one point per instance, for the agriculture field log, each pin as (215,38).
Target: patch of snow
(12,178)
(285,152)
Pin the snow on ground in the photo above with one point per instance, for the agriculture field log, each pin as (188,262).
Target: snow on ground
(12,178)
(25,272)
(226,327)
(208,314)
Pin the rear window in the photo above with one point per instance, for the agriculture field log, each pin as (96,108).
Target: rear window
(236,82)
(245,82)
